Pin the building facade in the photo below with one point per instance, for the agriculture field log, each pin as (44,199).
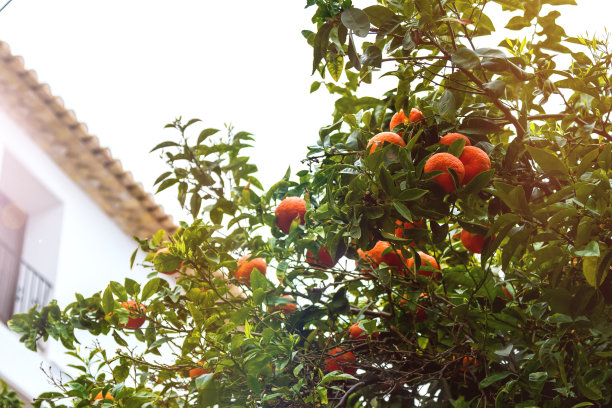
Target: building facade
(68,211)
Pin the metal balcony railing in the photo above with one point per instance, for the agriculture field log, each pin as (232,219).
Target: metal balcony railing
(21,286)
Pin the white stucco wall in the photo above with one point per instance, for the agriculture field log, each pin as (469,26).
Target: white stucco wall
(68,239)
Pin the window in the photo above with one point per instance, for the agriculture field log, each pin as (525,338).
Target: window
(30,219)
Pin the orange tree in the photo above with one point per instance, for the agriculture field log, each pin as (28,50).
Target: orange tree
(479,262)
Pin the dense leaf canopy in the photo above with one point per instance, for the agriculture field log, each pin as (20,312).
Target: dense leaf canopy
(494,291)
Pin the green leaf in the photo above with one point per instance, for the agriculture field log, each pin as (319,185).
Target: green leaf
(479,182)
(150,288)
(352,54)
(402,210)
(492,379)
(164,175)
(518,23)
(379,15)
(372,57)
(497,87)
(336,376)
(447,105)
(320,44)
(205,134)
(258,280)
(335,64)
(164,144)
(357,20)
(165,262)
(108,303)
(589,269)
(547,161)
(412,194)
(465,58)
(119,340)
(386,181)
(202,382)
(591,250)
(119,291)
(166,183)
(547,357)
(195,204)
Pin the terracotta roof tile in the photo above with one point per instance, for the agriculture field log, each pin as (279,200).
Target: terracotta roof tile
(69,143)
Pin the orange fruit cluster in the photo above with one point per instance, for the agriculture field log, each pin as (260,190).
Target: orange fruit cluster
(108,396)
(400,117)
(470,163)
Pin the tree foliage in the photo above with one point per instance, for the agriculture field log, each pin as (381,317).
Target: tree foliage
(8,398)
(525,323)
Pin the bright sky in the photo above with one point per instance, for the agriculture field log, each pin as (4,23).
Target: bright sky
(129,67)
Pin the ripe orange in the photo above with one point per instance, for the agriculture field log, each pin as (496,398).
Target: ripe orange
(383,137)
(196,372)
(473,242)
(475,161)
(138,319)
(322,260)
(451,137)
(246,266)
(401,226)
(288,210)
(425,260)
(397,119)
(357,332)
(443,161)
(341,360)
(286,308)
(416,115)
(166,251)
(375,256)
(108,396)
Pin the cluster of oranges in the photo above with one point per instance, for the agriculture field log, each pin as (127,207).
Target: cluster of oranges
(470,163)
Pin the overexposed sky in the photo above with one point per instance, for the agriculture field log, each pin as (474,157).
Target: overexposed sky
(127,67)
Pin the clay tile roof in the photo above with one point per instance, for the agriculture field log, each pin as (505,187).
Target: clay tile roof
(68,142)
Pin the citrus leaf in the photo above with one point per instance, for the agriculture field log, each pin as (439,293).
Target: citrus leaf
(108,304)
(465,58)
(335,64)
(357,20)
(492,379)
(547,161)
